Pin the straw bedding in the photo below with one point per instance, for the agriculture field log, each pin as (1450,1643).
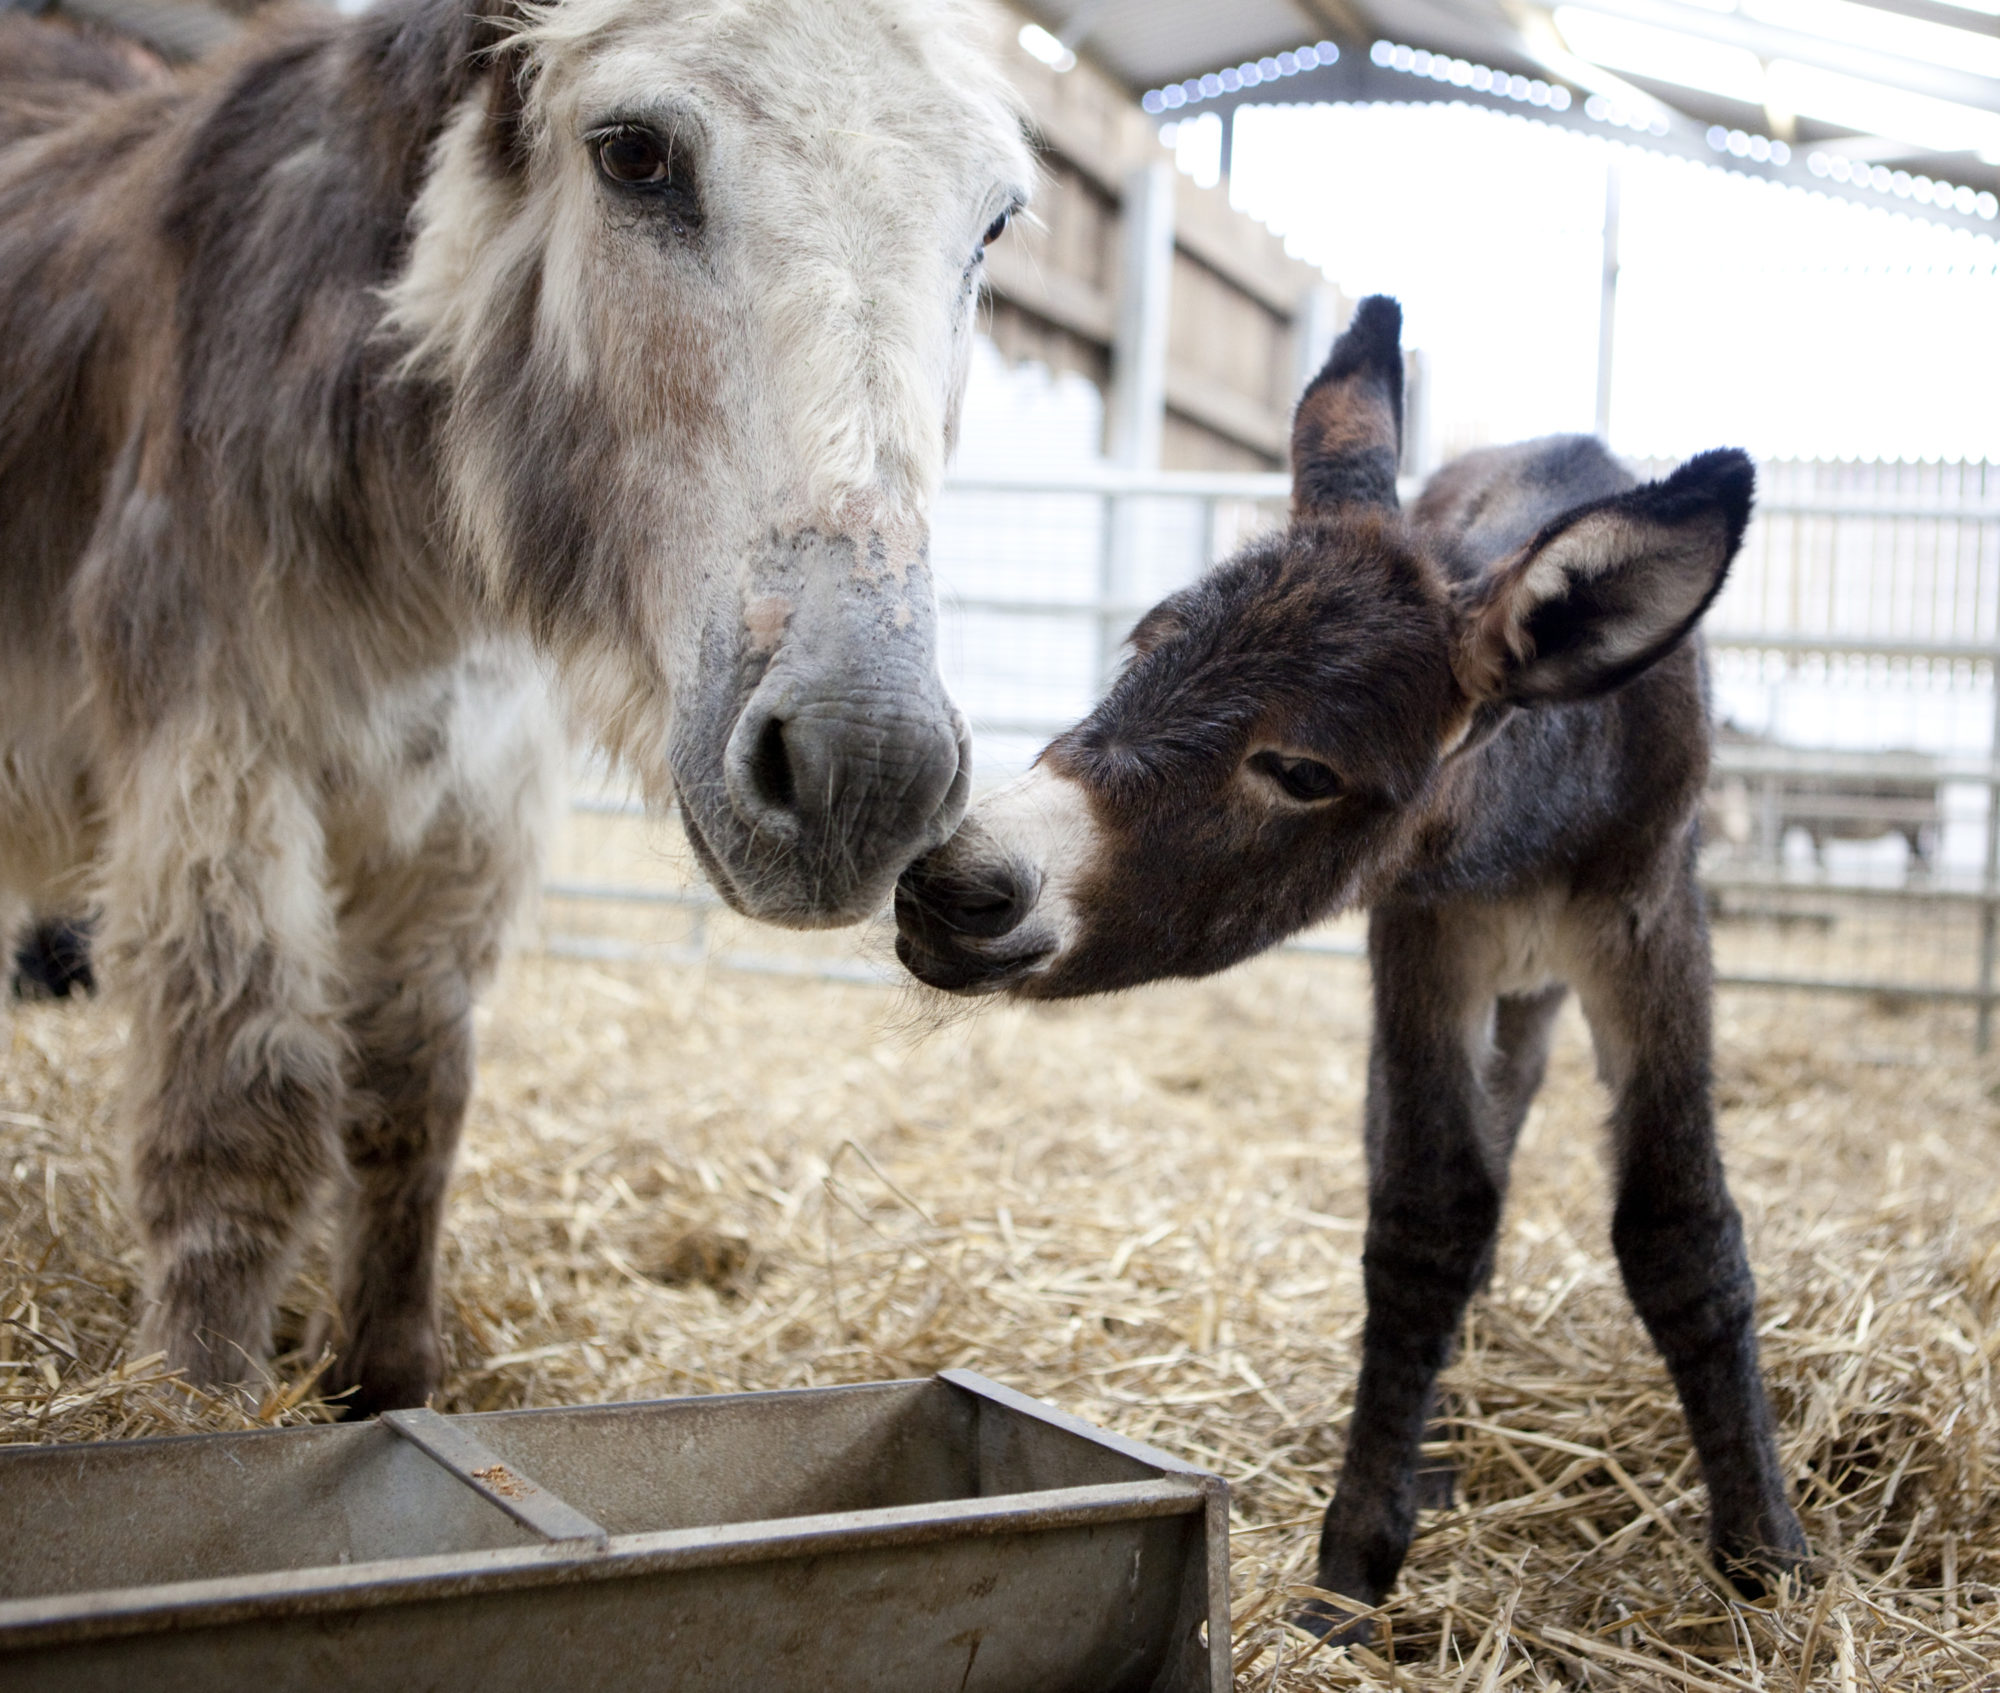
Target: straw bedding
(681,1179)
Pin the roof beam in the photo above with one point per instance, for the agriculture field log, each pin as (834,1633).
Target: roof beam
(1772,41)
(1357,80)
(1340,20)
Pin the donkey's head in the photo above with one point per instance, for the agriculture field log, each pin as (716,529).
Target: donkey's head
(1276,748)
(696,278)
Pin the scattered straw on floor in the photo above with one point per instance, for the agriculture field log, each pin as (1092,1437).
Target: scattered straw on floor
(680,1180)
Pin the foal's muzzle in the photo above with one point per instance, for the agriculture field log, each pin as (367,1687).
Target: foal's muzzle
(962,921)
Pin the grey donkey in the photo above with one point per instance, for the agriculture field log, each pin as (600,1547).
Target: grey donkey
(380,398)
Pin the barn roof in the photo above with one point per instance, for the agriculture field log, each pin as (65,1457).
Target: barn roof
(1872,99)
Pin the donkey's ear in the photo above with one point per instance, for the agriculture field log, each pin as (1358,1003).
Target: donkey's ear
(1606,590)
(506,109)
(1347,435)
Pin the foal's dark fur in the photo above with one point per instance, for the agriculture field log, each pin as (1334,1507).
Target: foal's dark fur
(1485,722)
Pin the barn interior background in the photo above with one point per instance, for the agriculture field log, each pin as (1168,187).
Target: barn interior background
(1572,254)
(1770,225)
(707,1156)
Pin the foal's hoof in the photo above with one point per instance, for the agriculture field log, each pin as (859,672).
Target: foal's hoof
(360,1403)
(1754,1572)
(1329,1622)
(1435,1485)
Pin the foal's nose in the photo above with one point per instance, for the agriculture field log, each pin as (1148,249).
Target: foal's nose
(942,898)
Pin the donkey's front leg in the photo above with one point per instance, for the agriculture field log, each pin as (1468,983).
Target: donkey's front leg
(413,1078)
(1678,1235)
(418,943)
(1435,1186)
(219,933)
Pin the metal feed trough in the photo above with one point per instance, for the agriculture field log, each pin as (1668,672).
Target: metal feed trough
(945,1534)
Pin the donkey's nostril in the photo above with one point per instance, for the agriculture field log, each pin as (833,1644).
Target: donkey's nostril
(770,766)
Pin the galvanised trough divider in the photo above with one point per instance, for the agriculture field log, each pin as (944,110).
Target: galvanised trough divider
(896,1537)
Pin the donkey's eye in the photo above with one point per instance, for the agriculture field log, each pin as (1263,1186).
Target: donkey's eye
(1303,779)
(633,158)
(653,171)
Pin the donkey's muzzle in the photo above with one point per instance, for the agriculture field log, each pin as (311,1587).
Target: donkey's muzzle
(850,784)
(837,757)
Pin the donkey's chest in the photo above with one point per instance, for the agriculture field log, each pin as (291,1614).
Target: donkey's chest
(457,745)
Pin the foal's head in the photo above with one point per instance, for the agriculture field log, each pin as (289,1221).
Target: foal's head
(1273,751)
(697,278)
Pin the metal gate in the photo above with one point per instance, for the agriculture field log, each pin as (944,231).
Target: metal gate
(1853,826)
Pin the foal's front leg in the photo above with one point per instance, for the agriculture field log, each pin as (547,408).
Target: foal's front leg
(1678,1235)
(1436,1180)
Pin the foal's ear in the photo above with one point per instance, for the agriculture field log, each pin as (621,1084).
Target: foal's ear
(1163,621)
(1606,590)
(1347,435)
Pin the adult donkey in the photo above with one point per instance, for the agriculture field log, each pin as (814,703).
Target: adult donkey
(355,388)
(1485,723)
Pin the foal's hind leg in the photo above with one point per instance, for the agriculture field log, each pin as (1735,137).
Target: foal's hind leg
(1522,1027)
(1677,1234)
(219,932)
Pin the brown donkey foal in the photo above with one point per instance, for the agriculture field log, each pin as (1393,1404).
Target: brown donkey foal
(1486,722)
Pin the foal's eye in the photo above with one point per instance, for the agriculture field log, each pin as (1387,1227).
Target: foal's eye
(1303,779)
(633,158)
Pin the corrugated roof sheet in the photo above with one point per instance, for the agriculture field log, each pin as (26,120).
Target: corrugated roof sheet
(1148,42)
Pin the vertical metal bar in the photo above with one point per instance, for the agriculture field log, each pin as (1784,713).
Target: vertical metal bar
(1607,310)
(1114,539)
(1315,322)
(1145,297)
(1138,410)
(1989,911)
(1419,431)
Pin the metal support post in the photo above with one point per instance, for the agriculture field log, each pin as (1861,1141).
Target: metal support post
(1607,310)
(1314,325)
(1419,434)
(1145,292)
(1137,420)
(1989,912)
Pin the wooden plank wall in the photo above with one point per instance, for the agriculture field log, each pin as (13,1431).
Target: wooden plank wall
(1233,360)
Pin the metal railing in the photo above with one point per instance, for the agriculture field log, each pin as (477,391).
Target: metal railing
(1022,558)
